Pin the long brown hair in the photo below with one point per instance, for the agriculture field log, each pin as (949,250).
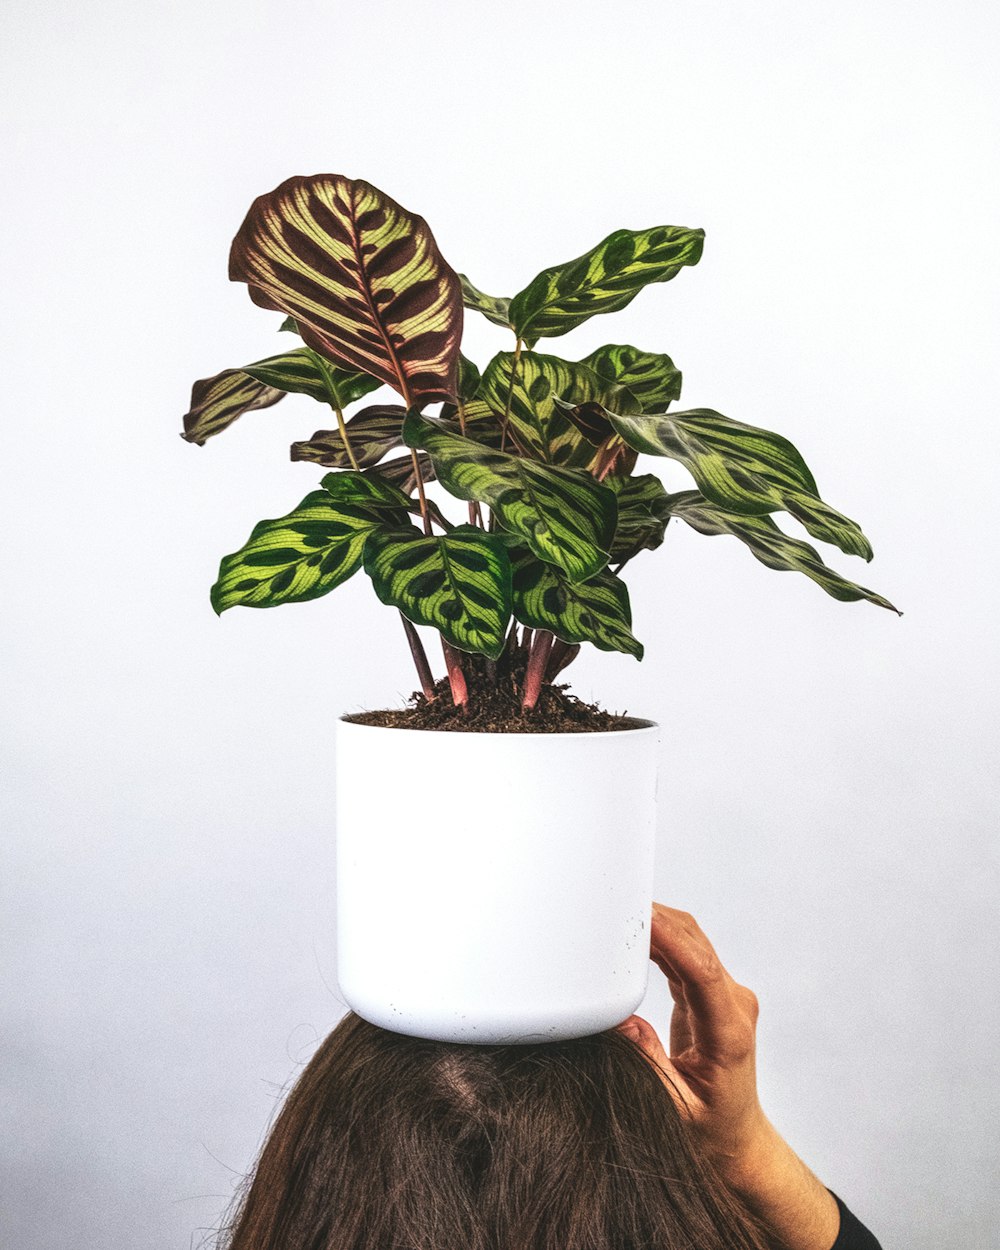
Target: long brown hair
(390,1142)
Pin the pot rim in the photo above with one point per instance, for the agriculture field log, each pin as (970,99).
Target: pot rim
(642,726)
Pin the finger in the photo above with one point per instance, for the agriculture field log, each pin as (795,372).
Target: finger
(647,1039)
(683,952)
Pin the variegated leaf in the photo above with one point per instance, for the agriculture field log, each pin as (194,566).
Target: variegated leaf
(653,379)
(742,468)
(602,280)
(536,419)
(643,513)
(363,279)
(769,544)
(216,403)
(399,471)
(468,378)
(303,555)
(564,516)
(492,308)
(372,433)
(596,610)
(459,582)
(308,373)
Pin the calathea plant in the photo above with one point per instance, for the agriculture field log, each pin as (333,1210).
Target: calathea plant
(542,450)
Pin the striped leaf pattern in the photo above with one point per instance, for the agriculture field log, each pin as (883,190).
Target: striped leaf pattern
(596,610)
(459,582)
(308,373)
(372,433)
(564,516)
(362,278)
(770,545)
(743,469)
(603,280)
(216,403)
(303,555)
(468,378)
(492,308)
(399,471)
(653,379)
(643,513)
(537,420)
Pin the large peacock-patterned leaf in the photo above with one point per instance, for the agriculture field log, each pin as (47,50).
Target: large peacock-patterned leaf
(216,402)
(459,582)
(653,379)
(596,610)
(536,418)
(769,544)
(602,280)
(742,468)
(312,550)
(643,513)
(362,278)
(493,309)
(372,433)
(565,516)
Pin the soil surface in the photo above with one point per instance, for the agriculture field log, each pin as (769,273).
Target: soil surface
(494,706)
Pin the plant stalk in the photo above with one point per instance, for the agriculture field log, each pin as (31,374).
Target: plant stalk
(346,441)
(538,659)
(419,479)
(419,659)
(456,677)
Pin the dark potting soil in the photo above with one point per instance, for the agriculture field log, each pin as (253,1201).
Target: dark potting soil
(494,706)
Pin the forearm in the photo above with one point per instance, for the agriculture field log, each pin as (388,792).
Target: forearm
(797,1208)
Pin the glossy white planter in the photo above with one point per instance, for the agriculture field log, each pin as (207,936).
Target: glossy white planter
(494,887)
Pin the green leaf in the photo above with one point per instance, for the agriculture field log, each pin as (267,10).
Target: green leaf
(216,402)
(372,433)
(536,420)
(303,555)
(362,277)
(492,308)
(399,471)
(594,611)
(289,324)
(654,380)
(770,545)
(564,516)
(459,582)
(368,490)
(468,378)
(602,280)
(308,373)
(643,513)
(742,468)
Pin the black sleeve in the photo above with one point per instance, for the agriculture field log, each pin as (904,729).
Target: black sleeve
(853,1235)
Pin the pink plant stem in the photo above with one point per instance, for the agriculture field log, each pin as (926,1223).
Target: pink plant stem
(419,659)
(538,658)
(456,677)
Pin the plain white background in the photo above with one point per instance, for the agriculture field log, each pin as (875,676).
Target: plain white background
(829,780)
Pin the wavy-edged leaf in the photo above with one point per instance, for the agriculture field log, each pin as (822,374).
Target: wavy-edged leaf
(596,610)
(602,280)
(643,513)
(459,582)
(652,378)
(469,378)
(372,433)
(564,516)
(493,308)
(742,468)
(308,373)
(537,419)
(303,555)
(770,545)
(216,402)
(363,279)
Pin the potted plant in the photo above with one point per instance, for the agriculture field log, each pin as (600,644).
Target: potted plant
(484,808)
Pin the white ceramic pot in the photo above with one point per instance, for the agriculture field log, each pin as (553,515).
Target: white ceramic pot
(494,887)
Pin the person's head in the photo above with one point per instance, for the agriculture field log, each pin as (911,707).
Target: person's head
(390,1142)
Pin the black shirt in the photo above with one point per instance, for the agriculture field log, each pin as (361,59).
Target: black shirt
(853,1235)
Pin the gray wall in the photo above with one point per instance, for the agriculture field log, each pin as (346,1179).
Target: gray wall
(828,784)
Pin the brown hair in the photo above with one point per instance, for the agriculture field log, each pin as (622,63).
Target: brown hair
(390,1142)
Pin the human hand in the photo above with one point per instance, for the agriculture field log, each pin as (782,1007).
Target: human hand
(712,1062)
(711,1073)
